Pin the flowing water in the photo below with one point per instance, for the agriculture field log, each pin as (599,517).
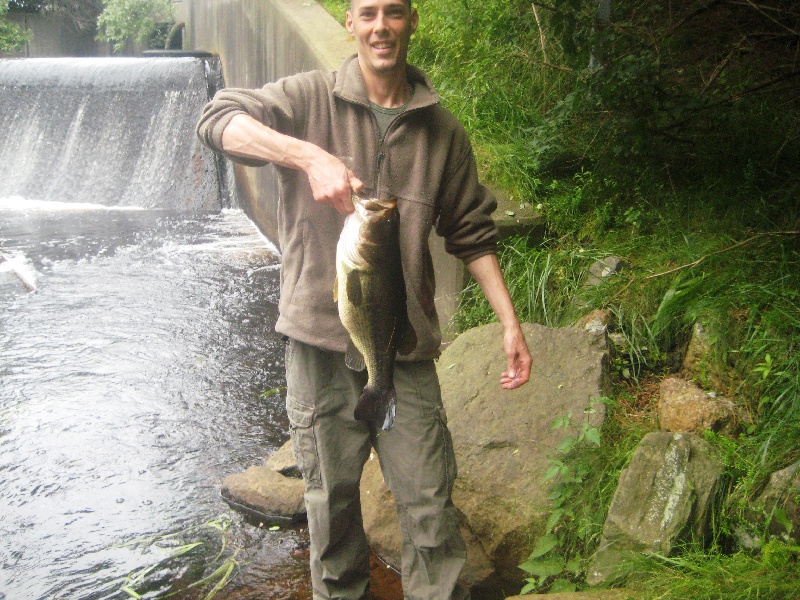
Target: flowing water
(130,385)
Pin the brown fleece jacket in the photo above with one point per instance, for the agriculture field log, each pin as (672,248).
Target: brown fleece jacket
(425,160)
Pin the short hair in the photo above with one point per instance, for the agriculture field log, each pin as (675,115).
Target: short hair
(406,1)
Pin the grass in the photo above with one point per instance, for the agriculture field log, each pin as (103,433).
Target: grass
(196,561)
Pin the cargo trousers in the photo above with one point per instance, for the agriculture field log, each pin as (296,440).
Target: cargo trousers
(418,465)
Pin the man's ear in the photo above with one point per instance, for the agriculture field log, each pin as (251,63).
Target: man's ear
(414,20)
(348,22)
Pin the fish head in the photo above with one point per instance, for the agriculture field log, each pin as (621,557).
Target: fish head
(378,218)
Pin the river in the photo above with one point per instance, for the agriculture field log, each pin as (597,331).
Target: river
(131,383)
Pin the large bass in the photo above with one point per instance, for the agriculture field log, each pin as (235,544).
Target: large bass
(371,295)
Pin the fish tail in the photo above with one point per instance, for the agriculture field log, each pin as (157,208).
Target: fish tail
(378,406)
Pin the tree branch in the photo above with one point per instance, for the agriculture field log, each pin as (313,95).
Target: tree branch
(737,245)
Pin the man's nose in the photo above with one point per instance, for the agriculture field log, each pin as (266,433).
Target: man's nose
(380,22)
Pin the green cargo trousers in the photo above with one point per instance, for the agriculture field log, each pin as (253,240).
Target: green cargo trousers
(417,461)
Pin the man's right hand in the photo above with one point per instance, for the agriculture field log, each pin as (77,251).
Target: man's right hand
(332,183)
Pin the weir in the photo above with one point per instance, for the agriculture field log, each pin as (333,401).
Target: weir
(110,131)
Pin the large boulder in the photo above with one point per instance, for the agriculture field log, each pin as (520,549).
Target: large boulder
(503,439)
(383,529)
(664,498)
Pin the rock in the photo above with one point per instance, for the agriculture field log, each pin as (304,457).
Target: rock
(503,439)
(775,513)
(596,322)
(602,269)
(383,530)
(781,497)
(664,498)
(684,406)
(282,461)
(514,218)
(266,492)
(617,594)
(699,361)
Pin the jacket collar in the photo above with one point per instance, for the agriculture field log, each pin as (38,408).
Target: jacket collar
(350,85)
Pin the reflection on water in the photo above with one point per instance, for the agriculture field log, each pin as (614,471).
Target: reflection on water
(130,385)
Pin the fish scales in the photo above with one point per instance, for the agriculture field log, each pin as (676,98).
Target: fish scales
(370,291)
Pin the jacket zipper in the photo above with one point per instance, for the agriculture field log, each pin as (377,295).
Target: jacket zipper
(378,161)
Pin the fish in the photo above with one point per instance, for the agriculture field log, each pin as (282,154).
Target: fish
(371,295)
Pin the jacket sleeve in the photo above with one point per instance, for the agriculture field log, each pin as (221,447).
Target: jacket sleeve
(274,105)
(465,211)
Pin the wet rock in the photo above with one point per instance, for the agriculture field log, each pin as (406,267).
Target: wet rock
(685,406)
(282,461)
(503,439)
(664,497)
(266,492)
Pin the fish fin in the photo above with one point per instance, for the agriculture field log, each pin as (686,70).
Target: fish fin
(336,288)
(378,407)
(354,295)
(353,358)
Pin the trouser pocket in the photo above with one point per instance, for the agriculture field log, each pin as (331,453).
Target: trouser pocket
(303,377)
(304,441)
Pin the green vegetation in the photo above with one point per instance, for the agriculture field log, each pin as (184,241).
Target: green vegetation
(143,21)
(211,566)
(12,38)
(669,136)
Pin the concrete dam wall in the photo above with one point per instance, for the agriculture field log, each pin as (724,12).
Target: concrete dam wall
(259,41)
(109,131)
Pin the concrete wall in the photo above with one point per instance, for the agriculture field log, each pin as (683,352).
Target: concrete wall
(259,41)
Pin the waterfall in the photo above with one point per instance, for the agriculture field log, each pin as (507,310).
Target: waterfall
(110,131)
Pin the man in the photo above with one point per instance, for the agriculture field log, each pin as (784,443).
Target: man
(374,127)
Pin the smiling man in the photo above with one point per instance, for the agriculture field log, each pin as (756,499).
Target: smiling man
(375,127)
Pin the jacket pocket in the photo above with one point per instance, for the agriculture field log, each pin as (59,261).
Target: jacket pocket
(304,442)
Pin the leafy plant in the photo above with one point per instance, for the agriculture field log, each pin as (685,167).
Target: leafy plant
(556,561)
(12,38)
(137,20)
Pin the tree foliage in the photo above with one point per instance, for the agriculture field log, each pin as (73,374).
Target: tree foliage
(137,20)
(11,37)
(82,13)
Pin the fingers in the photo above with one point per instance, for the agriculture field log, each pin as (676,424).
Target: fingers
(332,183)
(356,184)
(518,365)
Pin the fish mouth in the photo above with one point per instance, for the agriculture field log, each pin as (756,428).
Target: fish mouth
(373,205)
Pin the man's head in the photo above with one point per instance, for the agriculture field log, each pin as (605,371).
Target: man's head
(382,29)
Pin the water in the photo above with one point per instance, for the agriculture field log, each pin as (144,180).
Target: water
(130,385)
(113,131)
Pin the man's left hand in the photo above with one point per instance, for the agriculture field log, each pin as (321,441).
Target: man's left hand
(518,357)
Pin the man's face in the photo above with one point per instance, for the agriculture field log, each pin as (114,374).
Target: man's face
(382,29)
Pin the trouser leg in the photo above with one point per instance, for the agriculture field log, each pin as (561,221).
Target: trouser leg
(419,467)
(331,448)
